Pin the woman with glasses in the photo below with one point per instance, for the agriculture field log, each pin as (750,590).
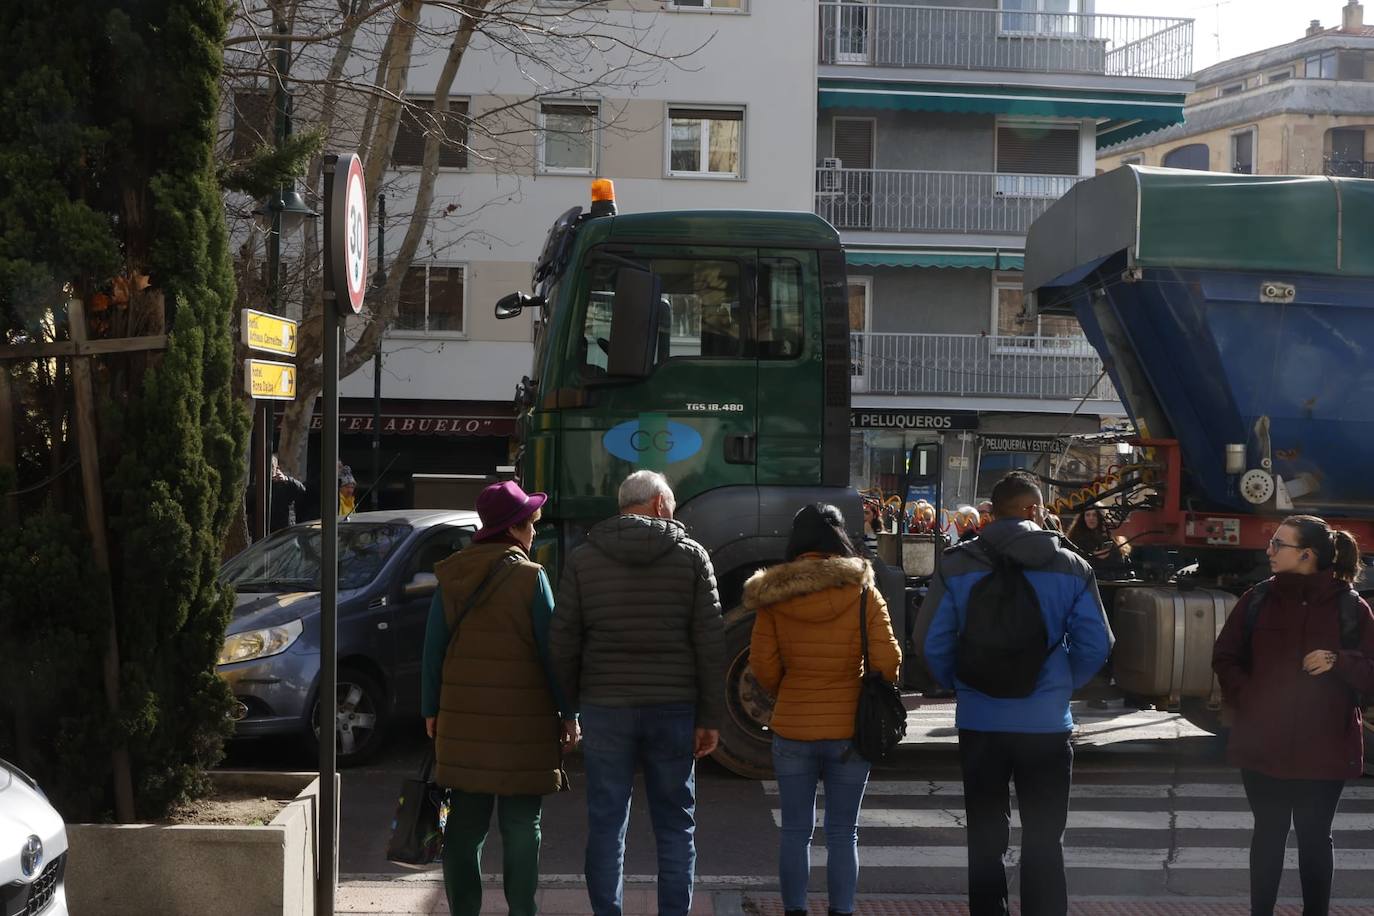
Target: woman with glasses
(1295,654)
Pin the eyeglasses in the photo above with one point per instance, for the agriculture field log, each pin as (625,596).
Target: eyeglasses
(1276,544)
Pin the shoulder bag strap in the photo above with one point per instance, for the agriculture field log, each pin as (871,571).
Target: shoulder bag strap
(484,588)
(863,627)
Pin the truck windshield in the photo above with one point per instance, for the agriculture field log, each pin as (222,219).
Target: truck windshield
(290,559)
(702,313)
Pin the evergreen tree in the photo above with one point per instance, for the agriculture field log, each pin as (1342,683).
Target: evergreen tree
(108,193)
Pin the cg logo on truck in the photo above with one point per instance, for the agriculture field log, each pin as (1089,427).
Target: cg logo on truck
(665,441)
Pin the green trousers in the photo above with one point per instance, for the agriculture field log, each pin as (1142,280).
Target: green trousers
(465,833)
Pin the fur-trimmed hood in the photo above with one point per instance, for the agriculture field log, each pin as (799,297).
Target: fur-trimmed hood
(778,586)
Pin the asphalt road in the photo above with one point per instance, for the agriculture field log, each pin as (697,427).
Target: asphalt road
(911,841)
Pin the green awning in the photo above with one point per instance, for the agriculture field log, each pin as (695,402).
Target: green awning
(988,260)
(1119,116)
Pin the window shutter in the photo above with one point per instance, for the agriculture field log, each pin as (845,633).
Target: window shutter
(854,143)
(410,136)
(1037,151)
(253,113)
(706,114)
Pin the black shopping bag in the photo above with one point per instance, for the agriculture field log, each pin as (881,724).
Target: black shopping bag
(417,831)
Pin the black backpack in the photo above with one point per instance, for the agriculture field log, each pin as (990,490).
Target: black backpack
(1003,644)
(1352,625)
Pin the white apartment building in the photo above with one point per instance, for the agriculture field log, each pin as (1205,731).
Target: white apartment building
(730,126)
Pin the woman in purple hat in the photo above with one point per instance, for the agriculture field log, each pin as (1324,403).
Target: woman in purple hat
(490,702)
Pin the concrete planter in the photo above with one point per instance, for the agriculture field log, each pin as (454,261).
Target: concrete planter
(152,870)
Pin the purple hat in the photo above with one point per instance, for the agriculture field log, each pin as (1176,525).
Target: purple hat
(503,505)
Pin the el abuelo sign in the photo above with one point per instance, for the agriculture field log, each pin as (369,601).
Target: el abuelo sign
(922,420)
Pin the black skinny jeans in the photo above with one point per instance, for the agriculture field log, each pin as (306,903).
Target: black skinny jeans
(1309,805)
(1042,767)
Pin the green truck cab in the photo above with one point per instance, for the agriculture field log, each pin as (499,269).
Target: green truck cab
(712,346)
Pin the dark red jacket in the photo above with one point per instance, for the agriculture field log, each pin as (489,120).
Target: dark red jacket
(1290,724)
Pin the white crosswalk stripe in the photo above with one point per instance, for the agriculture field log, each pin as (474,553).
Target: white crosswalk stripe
(1187,838)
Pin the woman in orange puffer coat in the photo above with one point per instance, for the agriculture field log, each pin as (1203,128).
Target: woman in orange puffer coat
(806,651)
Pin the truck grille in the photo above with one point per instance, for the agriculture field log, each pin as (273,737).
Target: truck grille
(18,899)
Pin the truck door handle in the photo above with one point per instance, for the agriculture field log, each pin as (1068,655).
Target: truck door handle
(741,449)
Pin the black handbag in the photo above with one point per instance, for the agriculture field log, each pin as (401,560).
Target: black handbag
(880,720)
(417,831)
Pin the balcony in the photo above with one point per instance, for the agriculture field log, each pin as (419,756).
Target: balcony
(1337,167)
(1046,368)
(891,35)
(887,200)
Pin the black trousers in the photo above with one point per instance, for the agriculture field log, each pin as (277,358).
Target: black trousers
(1309,805)
(1042,767)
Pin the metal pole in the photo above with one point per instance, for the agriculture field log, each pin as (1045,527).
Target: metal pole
(329,571)
(379,283)
(262,417)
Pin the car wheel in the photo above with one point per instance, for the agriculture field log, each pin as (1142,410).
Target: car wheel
(361,718)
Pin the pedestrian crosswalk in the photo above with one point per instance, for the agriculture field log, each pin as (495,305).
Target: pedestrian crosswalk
(1127,832)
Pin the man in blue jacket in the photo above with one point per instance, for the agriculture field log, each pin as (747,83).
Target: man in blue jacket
(1024,738)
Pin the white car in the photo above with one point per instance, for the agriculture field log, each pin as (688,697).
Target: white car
(33,848)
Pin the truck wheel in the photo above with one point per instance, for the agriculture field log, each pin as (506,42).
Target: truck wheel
(745,742)
(1196,711)
(1368,742)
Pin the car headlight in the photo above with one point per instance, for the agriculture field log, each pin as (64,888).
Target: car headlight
(259,643)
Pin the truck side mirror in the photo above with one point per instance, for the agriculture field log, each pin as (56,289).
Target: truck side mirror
(515,303)
(634,324)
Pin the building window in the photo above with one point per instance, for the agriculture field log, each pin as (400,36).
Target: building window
(1243,152)
(418,121)
(1233,89)
(1320,66)
(1194,156)
(432,299)
(253,126)
(740,5)
(1346,158)
(567,137)
(1040,17)
(705,141)
(1016,330)
(1031,157)
(1281,75)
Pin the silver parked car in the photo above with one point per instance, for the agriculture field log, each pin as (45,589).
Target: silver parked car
(33,848)
(271,654)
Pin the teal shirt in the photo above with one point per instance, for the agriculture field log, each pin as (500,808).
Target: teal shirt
(437,638)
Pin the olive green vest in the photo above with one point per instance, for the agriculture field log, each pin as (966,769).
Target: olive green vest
(498,726)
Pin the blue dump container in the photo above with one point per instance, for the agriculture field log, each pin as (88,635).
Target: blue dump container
(1230,310)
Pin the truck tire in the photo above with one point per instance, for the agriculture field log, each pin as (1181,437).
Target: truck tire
(1368,742)
(1195,710)
(746,744)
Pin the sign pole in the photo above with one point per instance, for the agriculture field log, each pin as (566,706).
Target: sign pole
(345,281)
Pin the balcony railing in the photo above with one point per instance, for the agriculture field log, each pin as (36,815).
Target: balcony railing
(1055,368)
(1347,168)
(892,35)
(886,200)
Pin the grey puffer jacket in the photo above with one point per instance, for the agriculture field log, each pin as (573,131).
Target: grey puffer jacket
(638,620)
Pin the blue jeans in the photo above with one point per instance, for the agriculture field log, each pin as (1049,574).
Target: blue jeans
(661,739)
(799,766)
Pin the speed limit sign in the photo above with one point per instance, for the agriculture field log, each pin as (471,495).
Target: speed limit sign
(347,234)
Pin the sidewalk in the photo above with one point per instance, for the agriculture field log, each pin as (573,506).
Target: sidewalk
(424,894)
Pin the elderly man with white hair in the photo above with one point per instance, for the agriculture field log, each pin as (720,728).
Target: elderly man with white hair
(638,646)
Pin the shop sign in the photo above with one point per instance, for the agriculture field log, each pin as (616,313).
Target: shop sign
(404,425)
(928,420)
(1032,444)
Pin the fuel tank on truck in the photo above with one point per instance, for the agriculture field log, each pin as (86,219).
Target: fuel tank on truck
(1235,314)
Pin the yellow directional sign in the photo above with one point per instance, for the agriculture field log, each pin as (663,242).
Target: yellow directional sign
(264,378)
(272,333)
